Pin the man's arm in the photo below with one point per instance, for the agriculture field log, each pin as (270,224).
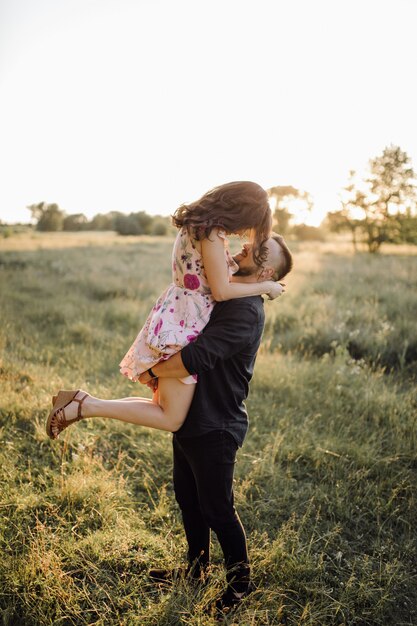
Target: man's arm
(229,332)
(171,368)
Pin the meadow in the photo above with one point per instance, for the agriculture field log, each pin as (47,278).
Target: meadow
(325,482)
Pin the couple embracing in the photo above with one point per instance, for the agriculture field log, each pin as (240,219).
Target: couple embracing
(197,351)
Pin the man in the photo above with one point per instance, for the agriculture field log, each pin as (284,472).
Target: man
(205,446)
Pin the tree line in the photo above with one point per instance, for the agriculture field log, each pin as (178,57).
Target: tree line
(379,208)
(49,217)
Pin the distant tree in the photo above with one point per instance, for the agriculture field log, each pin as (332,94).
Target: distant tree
(37,210)
(304,232)
(284,196)
(343,220)
(379,206)
(339,221)
(49,216)
(145,222)
(159,227)
(283,218)
(391,187)
(75,222)
(104,221)
(162,225)
(408,227)
(133,224)
(124,225)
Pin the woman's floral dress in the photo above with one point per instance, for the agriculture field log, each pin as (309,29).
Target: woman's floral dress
(180,313)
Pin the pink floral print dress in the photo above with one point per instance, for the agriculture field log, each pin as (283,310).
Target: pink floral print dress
(180,313)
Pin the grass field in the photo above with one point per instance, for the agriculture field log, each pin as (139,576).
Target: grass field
(325,483)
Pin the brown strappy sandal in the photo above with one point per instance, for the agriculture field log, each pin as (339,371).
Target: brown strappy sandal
(63,399)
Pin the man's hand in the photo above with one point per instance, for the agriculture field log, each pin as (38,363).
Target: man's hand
(146,379)
(153,384)
(276,290)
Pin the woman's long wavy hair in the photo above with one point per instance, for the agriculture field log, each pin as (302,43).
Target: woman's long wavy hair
(235,206)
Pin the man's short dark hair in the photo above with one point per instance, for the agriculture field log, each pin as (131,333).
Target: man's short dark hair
(286,263)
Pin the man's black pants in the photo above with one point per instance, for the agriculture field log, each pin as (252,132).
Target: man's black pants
(203,484)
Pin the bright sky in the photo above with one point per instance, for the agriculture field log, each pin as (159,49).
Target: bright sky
(144,104)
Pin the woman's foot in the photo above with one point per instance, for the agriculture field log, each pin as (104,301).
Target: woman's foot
(66,411)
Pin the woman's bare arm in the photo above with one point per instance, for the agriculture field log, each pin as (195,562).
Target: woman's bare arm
(212,250)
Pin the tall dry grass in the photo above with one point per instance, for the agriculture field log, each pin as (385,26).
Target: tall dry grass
(325,483)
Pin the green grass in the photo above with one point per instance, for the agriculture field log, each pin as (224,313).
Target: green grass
(325,483)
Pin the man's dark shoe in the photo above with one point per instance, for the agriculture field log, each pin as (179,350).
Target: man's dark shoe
(231,599)
(168,576)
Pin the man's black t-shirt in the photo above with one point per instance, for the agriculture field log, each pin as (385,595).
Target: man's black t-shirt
(223,357)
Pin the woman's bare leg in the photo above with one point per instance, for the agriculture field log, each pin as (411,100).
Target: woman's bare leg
(174,401)
(138,398)
(155,398)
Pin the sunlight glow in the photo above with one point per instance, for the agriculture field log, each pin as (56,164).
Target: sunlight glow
(136,105)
